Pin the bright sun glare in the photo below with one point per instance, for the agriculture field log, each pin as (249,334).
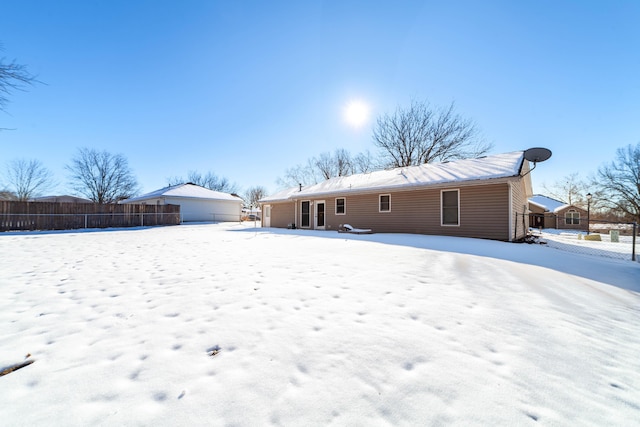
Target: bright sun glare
(356,113)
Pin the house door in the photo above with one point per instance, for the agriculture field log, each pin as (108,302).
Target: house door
(537,221)
(267,216)
(319,215)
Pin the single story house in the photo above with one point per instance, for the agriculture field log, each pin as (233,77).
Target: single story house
(484,198)
(196,203)
(546,212)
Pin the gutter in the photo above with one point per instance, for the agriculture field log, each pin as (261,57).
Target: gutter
(448,184)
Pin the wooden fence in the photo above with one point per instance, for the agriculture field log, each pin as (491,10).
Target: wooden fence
(68,216)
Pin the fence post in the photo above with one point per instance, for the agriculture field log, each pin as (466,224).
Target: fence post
(633,241)
(85,220)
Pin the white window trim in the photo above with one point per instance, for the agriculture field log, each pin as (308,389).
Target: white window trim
(379,197)
(573,214)
(442,224)
(345,206)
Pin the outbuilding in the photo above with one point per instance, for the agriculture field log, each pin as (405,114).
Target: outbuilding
(196,203)
(484,197)
(547,212)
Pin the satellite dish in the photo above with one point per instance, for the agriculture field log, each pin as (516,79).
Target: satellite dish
(537,154)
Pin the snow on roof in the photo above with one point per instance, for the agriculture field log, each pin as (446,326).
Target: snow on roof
(483,168)
(191,191)
(547,203)
(282,195)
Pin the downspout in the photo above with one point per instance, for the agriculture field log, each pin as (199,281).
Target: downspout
(511,214)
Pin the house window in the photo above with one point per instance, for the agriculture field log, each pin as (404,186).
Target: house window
(305,210)
(450,201)
(385,203)
(572,218)
(341,206)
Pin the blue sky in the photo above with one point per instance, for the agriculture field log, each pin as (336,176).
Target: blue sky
(248,89)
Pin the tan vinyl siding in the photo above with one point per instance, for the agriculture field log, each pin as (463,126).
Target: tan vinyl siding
(282,214)
(520,208)
(484,212)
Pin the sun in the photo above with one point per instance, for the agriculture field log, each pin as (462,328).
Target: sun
(356,113)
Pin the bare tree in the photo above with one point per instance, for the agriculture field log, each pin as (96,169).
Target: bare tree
(101,176)
(254,194)
(28,178)
(421,134)
(340,163)
(569,189)
(343,162)
(363,163)
(208,180)
(13,76)
(325,165)
(306,174)
(619,181)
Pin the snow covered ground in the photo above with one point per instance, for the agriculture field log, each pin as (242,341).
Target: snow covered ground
(224,324)
(575,241)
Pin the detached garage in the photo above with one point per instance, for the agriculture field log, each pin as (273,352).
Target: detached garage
(196,203)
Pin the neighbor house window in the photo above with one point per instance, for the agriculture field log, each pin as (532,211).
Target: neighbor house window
(305,210)
(341,206)
(572,218)
(385,203)
(450,201)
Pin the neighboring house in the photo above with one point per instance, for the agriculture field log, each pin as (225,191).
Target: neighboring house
(483,198)
(196,203)
(546,212)
(61,199)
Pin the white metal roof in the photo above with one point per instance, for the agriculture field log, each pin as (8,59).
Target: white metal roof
(483,168)
(547,203)
(190,191)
